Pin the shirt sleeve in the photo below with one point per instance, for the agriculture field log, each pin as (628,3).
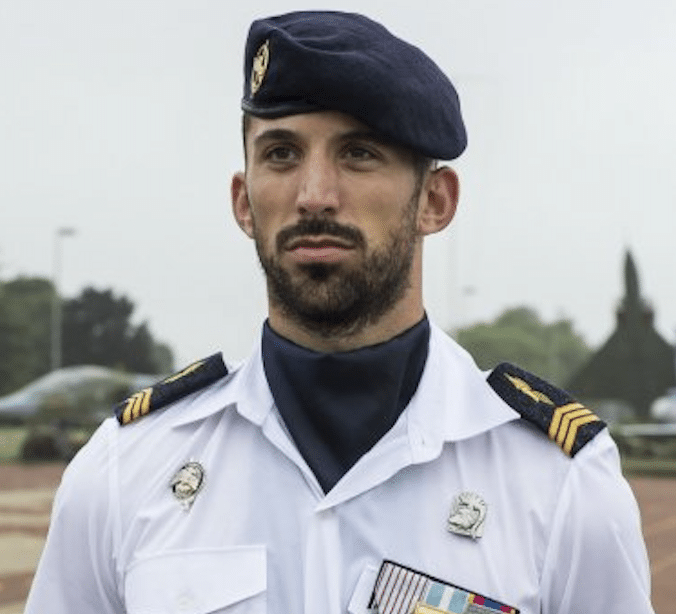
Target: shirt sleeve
(76,572)
(596,561)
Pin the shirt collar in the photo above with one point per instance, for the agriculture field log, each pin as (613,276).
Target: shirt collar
(245,388)
(453,401)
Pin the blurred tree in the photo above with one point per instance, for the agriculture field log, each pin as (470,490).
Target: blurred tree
(635,365)
(164,358)
(552,351)
(97,329)
(25,304)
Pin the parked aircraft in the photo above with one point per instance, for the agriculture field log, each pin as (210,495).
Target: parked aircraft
(664,408)
(651,439)
(61,409)
(80,394)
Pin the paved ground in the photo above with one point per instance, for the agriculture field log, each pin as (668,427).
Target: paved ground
(657,500)
(26,494)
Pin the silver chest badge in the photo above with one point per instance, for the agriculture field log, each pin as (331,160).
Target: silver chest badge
(468,515)
(187,482)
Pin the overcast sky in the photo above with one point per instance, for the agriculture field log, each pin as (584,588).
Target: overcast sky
(120,118)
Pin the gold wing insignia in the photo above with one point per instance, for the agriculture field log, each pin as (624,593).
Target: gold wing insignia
(568,423)
(186,371)
(536,395)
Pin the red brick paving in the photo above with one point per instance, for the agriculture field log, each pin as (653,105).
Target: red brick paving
(14,588)
(19,477)
(657,500)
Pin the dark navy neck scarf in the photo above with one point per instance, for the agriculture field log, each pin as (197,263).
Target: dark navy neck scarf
(336,406)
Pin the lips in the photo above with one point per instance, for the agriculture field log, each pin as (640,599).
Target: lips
(318,249)
(317,234)
(318,243)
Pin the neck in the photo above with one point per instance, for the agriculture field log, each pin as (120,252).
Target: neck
(369,335)
(405,314)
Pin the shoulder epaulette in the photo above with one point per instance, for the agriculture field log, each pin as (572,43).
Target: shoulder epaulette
(175,387)
(569,423)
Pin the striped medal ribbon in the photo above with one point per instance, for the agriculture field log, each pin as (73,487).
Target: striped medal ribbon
(402,590)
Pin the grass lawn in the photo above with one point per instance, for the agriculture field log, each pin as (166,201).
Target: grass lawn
(11,439)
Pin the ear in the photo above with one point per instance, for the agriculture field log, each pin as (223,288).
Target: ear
(241,207)
(439,200)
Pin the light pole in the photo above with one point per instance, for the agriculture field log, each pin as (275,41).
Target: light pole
(56,299)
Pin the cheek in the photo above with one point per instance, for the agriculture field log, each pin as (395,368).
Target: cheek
(261,209)
(271,204)
(386,213)
(266,223)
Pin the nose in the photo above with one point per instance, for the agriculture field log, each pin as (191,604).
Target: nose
(318,190)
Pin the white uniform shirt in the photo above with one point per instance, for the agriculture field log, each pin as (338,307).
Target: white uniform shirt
(561,535)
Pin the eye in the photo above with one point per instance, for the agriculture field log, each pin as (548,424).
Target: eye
(359,153)
(281,154)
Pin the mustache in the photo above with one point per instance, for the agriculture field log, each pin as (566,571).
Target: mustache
(317,226)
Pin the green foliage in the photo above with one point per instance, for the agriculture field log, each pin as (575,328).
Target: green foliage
(11,441)
(553,351)
(163,357)
(25,305)
(97,330)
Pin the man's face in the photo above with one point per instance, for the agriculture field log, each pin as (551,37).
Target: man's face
(333,211)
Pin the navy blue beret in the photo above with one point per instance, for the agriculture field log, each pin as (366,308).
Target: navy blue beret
(327,60)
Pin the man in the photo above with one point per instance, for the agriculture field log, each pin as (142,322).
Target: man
(357,461)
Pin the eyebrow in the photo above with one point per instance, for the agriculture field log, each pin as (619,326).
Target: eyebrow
(284,134)
(276,134)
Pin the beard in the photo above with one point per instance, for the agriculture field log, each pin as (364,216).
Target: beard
(338,299)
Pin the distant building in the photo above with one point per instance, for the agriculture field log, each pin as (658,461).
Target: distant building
(635,365)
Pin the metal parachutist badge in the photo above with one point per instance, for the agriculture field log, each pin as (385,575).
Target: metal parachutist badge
(468,515)
(187,483)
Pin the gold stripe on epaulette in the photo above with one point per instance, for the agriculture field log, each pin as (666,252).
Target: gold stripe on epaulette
(126,412)
(559,413)
(566,422)
(138,404)
(145,402)
(573,429)
(186,371)
(536,395)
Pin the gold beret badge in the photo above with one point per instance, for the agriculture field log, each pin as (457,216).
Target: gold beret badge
(260,66)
